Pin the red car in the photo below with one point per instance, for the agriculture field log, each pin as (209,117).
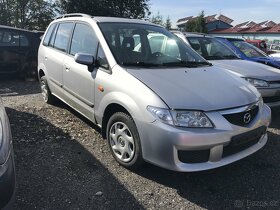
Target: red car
(258,43)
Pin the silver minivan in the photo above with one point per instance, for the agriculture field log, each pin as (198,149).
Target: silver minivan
(163,105)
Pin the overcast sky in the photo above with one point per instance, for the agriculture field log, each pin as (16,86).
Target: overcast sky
(238,10)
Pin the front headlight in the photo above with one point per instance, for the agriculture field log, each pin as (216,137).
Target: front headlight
(189,119)
(257,82)
(162,114)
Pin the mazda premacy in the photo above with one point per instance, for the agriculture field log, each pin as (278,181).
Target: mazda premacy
(155,102)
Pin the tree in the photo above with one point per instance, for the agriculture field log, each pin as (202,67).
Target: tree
(197,24)
(115,8)
(28,14)
(168,23)
(157,19)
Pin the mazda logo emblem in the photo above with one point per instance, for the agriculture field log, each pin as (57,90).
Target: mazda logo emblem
(247,118)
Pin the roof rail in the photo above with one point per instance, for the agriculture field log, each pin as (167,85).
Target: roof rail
(74,15)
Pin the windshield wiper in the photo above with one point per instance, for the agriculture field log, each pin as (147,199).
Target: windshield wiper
(214,57)
(189,64)
(142,64)
(230,57)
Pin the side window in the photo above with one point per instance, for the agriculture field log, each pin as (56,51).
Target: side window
(48,35)
(101,59)
(156,43)
(84,40)
(9,38)
(195,45)
(23,41)
(62,37)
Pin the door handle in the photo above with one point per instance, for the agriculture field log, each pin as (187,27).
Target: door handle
(67,67)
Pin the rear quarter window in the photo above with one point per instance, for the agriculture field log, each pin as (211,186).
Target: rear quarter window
(48,35)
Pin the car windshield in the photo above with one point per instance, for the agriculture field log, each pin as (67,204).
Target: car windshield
(211,49)
(148,46)
(249,50)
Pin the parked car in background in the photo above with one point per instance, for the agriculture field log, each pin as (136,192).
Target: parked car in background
(7,166)
(249,52)
(164,105)
(261,44)
(274,50)
(275,55)
(18,51)
(265,78)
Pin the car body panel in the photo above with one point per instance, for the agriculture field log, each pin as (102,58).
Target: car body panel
(18,51)
(7,165)
(271,61)
(182,82)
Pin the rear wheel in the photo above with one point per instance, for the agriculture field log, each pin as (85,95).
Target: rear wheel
(46,93)
(123,140)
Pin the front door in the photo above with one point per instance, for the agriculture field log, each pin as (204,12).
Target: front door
(78,82)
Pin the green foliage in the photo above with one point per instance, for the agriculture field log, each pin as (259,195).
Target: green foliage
(168,23)
(197,25)
(114,8)
(37,14)
(28,14)
(157,19)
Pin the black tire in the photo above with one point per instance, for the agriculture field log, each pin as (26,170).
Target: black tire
(130,161)
(47,95)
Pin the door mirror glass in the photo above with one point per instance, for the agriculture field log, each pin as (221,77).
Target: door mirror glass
(84,58)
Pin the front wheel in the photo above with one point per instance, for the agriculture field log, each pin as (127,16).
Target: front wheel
(124,141)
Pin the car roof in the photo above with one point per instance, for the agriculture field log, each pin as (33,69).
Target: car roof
(17,29)
(195,34)
(101,19)
(232,39)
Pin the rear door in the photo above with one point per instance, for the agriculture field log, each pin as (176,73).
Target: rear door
(78,82)
(55,52)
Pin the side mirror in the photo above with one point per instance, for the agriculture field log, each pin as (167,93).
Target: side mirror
(85,59)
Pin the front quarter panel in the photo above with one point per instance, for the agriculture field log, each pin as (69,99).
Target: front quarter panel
(122,88)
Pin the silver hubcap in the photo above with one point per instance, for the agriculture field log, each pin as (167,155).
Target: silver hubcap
(44,91)
(121,141)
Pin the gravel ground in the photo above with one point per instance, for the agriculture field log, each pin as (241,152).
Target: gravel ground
(62,162)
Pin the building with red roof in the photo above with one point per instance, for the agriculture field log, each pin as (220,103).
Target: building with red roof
(212,22)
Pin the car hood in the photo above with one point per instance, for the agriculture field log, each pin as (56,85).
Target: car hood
(206,89)
(250,69)
(272,60)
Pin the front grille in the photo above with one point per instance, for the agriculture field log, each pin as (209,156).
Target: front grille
(196,156)
(271,99)
(239,118)
(243,141)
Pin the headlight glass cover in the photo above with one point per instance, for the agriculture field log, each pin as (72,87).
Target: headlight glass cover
(189,119)
(257,82)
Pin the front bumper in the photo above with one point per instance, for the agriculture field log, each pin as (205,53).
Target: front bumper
(271,96)
(7,183)
(161,143)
